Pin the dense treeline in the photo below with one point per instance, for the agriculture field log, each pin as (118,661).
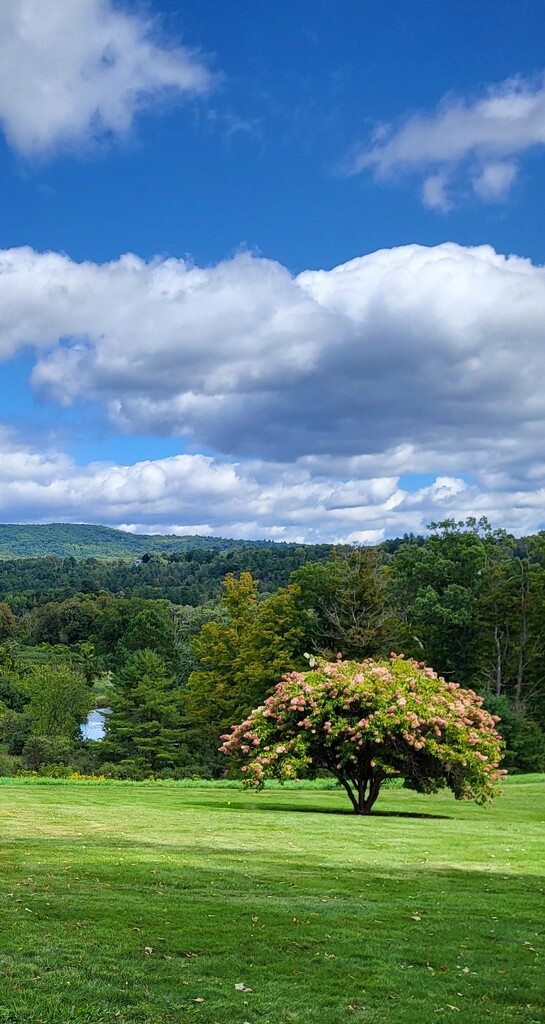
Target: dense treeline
(180,646)
(189,577)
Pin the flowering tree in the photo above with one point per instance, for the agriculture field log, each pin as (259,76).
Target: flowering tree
(369,721)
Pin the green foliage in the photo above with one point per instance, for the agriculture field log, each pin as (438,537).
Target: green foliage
(473,601)
(436,586)
(241,658)
(40,752)
(79,540)
(121,629)
(143,729)
(367,722)
(524,740)
(191,576)
(188,623)
(349,605)
(59,700)
(468,599)
(15,729)
(67,622)
(12,692)
(152,629)
(8,622)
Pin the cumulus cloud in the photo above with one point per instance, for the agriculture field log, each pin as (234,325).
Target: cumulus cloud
(465,144)
(188,494)
(74,70)
(327,388)
(439,348)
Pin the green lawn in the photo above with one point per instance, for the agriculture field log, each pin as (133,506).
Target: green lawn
(151,903)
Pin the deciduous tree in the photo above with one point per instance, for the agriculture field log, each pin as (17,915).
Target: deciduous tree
(242,657)
(349,605)
(59,700)
(367,722)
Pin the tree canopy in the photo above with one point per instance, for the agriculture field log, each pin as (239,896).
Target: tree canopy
(242,657)
(144,728)
(367,722)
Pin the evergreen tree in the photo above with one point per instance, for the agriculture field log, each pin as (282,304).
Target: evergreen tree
(143,731)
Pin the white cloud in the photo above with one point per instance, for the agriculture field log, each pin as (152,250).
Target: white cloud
(190,494)
(440,349)
(435,193)
(493,181)
(470,143)
(74,70)
(327,388)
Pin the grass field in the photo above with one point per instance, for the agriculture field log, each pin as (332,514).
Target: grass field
(159,903)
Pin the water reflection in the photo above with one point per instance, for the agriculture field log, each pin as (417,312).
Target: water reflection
(93,728)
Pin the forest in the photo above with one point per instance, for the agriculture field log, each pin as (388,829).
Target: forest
(177,646)
(83,540)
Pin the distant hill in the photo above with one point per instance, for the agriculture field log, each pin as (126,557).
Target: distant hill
(79,540)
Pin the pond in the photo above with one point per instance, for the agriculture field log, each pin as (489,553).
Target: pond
(93,728)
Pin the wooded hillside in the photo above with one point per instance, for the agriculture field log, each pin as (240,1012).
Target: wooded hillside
(182,645)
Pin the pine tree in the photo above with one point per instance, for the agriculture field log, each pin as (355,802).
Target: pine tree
(143,731)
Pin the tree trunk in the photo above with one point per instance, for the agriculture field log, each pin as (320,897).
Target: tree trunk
(348,788)
(366,800)
(498,665)
(362,791)
(523,641)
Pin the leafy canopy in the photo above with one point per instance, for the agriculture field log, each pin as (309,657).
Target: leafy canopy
(242,656)
(59,700)
(369,721)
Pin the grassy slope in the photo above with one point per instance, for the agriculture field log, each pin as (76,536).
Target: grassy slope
(325,917)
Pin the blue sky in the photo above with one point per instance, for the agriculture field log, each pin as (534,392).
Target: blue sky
(272,270)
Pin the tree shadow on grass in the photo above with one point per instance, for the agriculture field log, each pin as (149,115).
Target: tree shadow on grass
(343,811)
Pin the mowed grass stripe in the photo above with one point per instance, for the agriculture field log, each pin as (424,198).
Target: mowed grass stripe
(131,903)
